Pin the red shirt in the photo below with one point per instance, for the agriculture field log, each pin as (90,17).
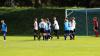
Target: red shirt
(95,23)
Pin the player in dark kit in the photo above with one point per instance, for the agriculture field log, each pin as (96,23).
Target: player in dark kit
(95,26)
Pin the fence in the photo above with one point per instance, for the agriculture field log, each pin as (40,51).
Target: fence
(20,21)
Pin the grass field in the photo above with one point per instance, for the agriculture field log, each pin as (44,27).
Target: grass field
(26,46)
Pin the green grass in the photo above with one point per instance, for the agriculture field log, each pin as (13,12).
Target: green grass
(26,46)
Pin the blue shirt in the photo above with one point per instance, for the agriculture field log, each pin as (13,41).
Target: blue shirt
(46,26)
(4,27)
(49,25)
(67,25)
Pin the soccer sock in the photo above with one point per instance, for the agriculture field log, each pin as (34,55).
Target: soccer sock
(4,43)
(43,37)
(34,37)
(4,36)
(39,37)
(57,36)
(51,37)
(65,36)
(97,34)
(47,37)
(73,36)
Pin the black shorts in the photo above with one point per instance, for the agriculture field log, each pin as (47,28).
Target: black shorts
(46,31)
(56,32)
(72,31)
(42,30)
(67,32)
(49,31)
(35,31)
(96,28)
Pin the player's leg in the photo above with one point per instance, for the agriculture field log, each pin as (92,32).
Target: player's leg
(4,35)
(54,32)
(65,35)
(96,31)
(40,34)
(45,34)
(71,36)
(34,34)
(49,34)
(37,34)
(57,34)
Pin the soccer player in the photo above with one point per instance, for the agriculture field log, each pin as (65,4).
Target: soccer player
(35,29)
(56,28)
(4,29)
(72,29)
(95,26)
(67,26)
(46,30)
(42,26)
(49,29)
(73,26)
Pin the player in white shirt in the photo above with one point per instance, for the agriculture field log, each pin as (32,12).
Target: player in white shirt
(41,27)
(73,26)
(35,28)
(56,28)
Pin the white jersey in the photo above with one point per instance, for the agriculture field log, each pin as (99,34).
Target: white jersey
(35,25)
(56,25)
(73,25)
(42,25)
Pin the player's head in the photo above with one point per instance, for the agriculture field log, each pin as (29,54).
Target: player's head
(47,19)
(35,19)
(95,19)
(2,21)
(54,18)
(73,18)
(66,19)
(42,19)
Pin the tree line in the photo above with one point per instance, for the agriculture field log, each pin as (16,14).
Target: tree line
(43,3)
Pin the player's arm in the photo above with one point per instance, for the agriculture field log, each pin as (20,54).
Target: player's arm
(55,23)
(34,24)
(97,24)
(39,25)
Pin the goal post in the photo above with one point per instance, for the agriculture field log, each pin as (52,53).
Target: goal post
(68,13)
